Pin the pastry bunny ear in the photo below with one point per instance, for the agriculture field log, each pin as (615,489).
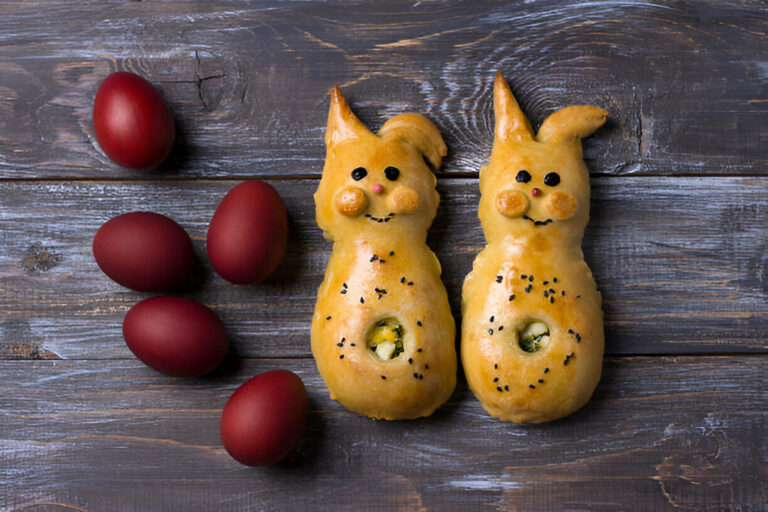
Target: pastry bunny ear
(418,131)
(343,124)
(571,123)
(511,123)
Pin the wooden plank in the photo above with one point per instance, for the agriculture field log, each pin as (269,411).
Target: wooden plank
(248,82)
(681,263)
(98,435)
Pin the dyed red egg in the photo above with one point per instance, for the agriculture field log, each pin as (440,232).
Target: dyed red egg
(248,233)
(175,336)
(132,122)
(264,418)
(144,251)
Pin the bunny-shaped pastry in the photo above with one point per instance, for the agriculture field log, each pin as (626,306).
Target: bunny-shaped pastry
(382,333)
(532,327)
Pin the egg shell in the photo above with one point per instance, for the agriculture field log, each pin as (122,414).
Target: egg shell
(264,418)
(248,234)
(144,251)
(132,123)
(175,336)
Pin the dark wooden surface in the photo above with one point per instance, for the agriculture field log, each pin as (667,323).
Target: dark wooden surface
(678,243)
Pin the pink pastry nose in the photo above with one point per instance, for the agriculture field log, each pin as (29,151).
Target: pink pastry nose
(535,192)
(377,189)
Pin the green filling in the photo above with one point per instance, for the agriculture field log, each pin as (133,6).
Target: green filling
(386,339)
(533,337)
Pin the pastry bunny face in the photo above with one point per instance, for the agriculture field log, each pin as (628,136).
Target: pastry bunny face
(377,181)
(536,184)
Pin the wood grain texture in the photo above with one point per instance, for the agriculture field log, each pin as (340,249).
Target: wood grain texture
(114,435)
(682,268)
(248,82)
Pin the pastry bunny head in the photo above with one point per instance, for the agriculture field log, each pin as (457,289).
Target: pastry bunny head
(536,183)
(377,181)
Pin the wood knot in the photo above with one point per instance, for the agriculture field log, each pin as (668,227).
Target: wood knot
(40,259)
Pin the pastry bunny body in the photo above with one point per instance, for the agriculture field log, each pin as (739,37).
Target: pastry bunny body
(532,326)
(382,331)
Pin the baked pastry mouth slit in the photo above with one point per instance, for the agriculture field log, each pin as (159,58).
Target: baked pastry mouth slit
(538,222)
(380,219)
(385,339)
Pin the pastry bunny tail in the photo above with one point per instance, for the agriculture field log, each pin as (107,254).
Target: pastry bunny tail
(418,131)
(571,123)
(343,124)
(511,123)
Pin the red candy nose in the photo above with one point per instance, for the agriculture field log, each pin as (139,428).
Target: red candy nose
(535,192)
(377,189)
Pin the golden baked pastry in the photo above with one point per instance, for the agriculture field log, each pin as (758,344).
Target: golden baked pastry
(532,327)
(382,332)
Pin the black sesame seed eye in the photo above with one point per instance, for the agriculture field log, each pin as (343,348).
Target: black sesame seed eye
(523,177)
(359,173)
(392,173)
(552,179)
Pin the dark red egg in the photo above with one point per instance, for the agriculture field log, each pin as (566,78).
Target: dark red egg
(144,251)
(248,234)
(175,336)
(132,122)
(264,418)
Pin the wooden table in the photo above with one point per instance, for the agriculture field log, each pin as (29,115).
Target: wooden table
(677,242)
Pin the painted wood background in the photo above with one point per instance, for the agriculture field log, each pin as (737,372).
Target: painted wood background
(678,243)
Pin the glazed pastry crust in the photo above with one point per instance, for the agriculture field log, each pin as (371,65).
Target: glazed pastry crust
(532,270)
(381,268)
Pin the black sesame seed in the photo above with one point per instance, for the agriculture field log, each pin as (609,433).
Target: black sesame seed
(506,388)
(344,285)
(562,293)
(578,296)
(341,356)
(343,339)
(415,375)
(491,319)
(426,366)
(418,350)
(383,291)
(391,253)
(421,376)
(418,322)
(382,260)
(351,344)
(380,220)
(551,290)
(528,288)
(339,344)
(374,257)
(410,283)
(495,379)
(578,338)
(512,297)
(380,296)
(383,377)
(546,370)
(524,276)
(499,279)
(362,300)
(567,358)
(328,317)
(368,215)
(531,386)
(551,300)
(495,366)
(410,360)
(541,380)
(381,323)
(530,278)
(343,292)
(391,214)
(546,293)
(545,283)
(402,279)
(570,331)
(490,331)
(498,388)
(554,279)
(501,328)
